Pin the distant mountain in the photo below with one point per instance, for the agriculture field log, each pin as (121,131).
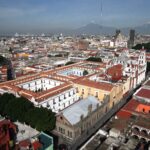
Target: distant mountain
(143,29)
(95,29)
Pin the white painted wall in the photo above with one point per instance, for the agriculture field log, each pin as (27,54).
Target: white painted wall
(43,83)
(61,101)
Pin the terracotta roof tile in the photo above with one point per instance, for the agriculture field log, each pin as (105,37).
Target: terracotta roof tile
(98,85)
(145,93)
(124,114)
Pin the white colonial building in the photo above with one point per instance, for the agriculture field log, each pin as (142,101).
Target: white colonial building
(134,65)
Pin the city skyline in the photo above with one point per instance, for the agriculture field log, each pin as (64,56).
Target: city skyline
(48,15)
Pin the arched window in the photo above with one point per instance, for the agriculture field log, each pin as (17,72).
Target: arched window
(135,137)
(136,130)
(144,132)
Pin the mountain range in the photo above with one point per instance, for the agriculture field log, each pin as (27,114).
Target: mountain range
(95,29)
(92,29)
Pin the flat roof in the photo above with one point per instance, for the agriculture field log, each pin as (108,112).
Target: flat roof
(74,112)
(25,132)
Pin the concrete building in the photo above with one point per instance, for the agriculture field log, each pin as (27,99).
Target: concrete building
(131,38)
(120,40)
(77,119)
(134,64)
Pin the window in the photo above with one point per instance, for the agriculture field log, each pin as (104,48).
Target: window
(106,110)
(59,99)
(113,104)
(63,131)
(96,94)
(143,110)
(54,102)
(64,96)
(59,129)
(114,97)
(70,134)
(47,104)
(82,91)
(69,94)
(77,90)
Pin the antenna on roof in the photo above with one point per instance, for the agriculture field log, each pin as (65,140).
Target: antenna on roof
(101,8)
(101,13)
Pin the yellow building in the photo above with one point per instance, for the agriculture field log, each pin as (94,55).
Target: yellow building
(101,90)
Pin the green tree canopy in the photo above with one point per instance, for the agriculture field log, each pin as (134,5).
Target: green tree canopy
(140,46)
(3,61)
(94,59)
(23,110)
(85,72)
(148,67)
(69,63)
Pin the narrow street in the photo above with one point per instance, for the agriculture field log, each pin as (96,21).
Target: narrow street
(87,135)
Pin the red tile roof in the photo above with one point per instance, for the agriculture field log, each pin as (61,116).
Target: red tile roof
(37,145)
(145,93)
(131,105)
(134,107)
(115,72)
(98,85)
(142,107)
(124,114)
(24,144)
(53,93)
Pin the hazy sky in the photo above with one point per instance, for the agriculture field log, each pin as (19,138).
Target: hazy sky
(44,15)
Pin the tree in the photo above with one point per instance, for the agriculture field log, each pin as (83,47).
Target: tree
(46,121)
(85,72)
(148,67)
(69,63)
(3,61)
(94,59)
(4,100)
(140,46)
(23,110)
